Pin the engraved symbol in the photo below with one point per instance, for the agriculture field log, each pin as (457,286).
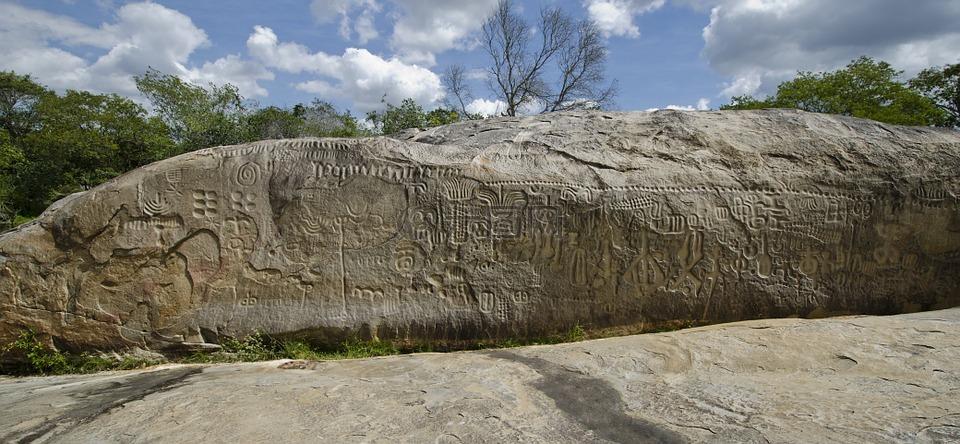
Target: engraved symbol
(156,206)
(204,203)
(174,177)
(521,297)
(809,264)
(487,301)
(242,201)
(886,255)
(458,190)
(248,301)
(408,257)
(690,254)
(248,174)
(644,271)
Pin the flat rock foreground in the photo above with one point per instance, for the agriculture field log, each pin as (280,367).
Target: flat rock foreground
(852,379)
(500,228)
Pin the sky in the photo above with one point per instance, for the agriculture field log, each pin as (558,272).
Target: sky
(357,54)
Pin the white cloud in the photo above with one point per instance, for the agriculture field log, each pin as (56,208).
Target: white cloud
(142,35)
(425,28)
(615,17)
(356,16)
(702,105)
(357,75)
(235,70)
(421,28)
(265,46)
(759,43)
(486,107)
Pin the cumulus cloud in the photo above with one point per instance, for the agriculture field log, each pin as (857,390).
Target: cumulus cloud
(49,47)
(615,17)
(421,29)
(702,105)
(486,107)
(356,75)
(356,17)
(425,28)
(761,43)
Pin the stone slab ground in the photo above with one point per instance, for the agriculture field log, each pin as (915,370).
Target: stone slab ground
(852,379)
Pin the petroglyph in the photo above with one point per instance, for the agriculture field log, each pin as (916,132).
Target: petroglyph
(474,236)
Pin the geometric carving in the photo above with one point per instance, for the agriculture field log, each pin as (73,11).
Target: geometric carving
(248,174)
(205,203)
(158,205)
(242,201)
(628,218)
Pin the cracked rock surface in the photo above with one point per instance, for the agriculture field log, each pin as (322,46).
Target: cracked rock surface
(500,228)
(852,380)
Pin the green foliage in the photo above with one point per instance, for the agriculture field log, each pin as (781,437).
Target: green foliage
(83,140)
(39,359)
(409,115)
(575,334)
(53,145)
(36,358)
(749,102)
(356,348)
(19,96)
(942,86)
(321,119)
(198,117)
(864,88)
(273,123)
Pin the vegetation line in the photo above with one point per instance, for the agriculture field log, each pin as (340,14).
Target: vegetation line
(29,355)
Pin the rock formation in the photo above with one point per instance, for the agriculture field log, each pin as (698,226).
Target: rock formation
(840,380)
(499,228)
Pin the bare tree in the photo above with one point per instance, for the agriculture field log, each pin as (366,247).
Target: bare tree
(521,59)
(580,65)
(454,82)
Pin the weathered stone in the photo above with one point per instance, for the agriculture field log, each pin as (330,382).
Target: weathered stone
(845,380)
(497,228)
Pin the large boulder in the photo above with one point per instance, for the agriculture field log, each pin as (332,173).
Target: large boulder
(504,227)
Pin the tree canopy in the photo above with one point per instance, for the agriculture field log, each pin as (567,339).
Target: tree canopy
(864,88)
(52,145)
(942,86)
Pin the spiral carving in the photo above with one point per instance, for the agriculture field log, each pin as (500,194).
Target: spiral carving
(248,174)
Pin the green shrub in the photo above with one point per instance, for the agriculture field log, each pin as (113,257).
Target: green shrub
(39,359)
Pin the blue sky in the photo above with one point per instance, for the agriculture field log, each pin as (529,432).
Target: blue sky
(663,53)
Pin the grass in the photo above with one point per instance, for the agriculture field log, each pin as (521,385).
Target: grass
(36,358)
(33,357)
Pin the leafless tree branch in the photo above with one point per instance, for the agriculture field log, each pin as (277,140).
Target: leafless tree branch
(518,69)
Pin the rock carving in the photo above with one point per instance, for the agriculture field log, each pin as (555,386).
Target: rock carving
(461,232)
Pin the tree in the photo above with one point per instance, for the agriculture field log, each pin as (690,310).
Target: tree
(11,159)
(83,140)
(942,86)
(453,80)
(19,96)
(864,88)
(581,66)
(409,115)
(519,66)
(273,123)
(198,117)
(321,119)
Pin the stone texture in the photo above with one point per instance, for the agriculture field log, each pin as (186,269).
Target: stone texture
(499,228)
(850,380)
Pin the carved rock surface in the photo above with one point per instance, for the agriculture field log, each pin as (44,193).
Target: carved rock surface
(499,228)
